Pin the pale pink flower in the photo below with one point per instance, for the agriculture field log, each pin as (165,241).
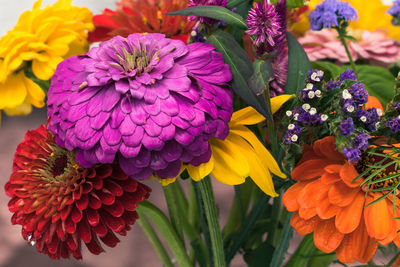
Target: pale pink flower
(374,46)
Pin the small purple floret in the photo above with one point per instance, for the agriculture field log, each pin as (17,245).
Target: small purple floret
(348,75)
(352,154)
(361,141)
(394,10)
(346,127)
(360,95)
(206,20)
(146,101)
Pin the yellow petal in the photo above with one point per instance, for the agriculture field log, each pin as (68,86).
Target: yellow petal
(199,172)
(167,181)
(23,109)
(42,70)
(13,92)
(230,167)
(35,93)
(259,173)
(278,101)
(263,153)
(246,116)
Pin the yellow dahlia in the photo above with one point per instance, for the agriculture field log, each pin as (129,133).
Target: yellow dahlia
(44,37)
(365,12)
(241,154)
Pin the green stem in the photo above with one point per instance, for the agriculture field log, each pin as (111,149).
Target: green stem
(154,240)
(343,41)
(164,226)
(210,209)
(303,252)
(172,200)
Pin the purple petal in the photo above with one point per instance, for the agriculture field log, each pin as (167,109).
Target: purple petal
(154,108)
(111,136)
(135,138)
(99,120)
(171,171)
(78,97)
(111,98)
(109,149)
(94,105)
(176,72)
(117,116)
(126,105)
(143,159)
(104,157)
(183,137)
(82,129)
(157,162)
(122,86)
(167,133)
(152,129)
(196,161)
(128,151)
(127,127)
(171,151)
(178,122)
(152,143)
(162,119)
(138,114)
(169,106)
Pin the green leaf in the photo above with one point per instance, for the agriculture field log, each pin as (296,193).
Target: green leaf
(295,3)
(262,73)
(299,65)
(283,245)
(379,82)
(215,12)
(241,68)
(260,256)
(330,69)
(235,3)
(165,228)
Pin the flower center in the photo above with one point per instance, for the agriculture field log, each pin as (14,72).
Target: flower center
(382,172)
(137,61)
(59,165)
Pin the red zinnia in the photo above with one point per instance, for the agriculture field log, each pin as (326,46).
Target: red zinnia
(59,203)
(133,16)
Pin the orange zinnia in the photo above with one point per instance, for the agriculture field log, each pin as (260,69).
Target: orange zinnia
(328,201)
(148,16)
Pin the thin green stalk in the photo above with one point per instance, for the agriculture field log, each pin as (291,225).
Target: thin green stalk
(193,214)
(172,199)
(203,221)
(276,209)
(303,252)
(154,240)
(342,33)
(164,226)
(210,209)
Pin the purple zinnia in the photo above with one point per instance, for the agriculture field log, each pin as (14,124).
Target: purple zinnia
(206,20)
(147,101)
(395,12)
(331,12)
(264,24)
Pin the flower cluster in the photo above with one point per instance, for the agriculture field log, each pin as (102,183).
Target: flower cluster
(34,44)
(331,13)
(394,10)
(317,111)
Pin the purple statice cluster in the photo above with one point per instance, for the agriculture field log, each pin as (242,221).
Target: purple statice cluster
(205,20)
(306,114)
(394,10)
(334,108)
(331,13)
(393,124)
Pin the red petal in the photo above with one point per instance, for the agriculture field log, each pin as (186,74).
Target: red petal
(76,215)
(94,246)
(110,239)
(113,187)
(116,209)
(129,202)
(100,229)
(70,226)
(94,201)
(83,202)
(93,217)
(84,231)
(115,224)
(106,197)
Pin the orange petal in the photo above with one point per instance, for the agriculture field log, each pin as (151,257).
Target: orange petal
(325,209)
(395,228)
(333,168)
(289,198)
(373,102)
(341,195)
(309,169)
(326,237)
(326,147)
(310,195)
(377,218)
(308,153)
(345,252)
(348,173)
(307,213)
(367,246)
(348,218)
(303,227)
(329,178)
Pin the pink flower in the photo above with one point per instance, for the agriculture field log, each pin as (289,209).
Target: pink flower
(373,46)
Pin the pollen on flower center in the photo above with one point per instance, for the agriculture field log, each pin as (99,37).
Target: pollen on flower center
(364,165)
(137,60)
(60,164)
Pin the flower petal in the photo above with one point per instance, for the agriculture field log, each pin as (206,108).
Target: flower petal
(326,237)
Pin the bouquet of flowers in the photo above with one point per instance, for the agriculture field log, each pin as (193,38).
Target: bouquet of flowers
(296,104)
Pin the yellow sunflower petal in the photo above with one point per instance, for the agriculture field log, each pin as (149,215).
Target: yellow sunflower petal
(278,101)
(263,153)
(199,172)
(230,167)
(167,181)
(259,173)
(13,92)
(247,116)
